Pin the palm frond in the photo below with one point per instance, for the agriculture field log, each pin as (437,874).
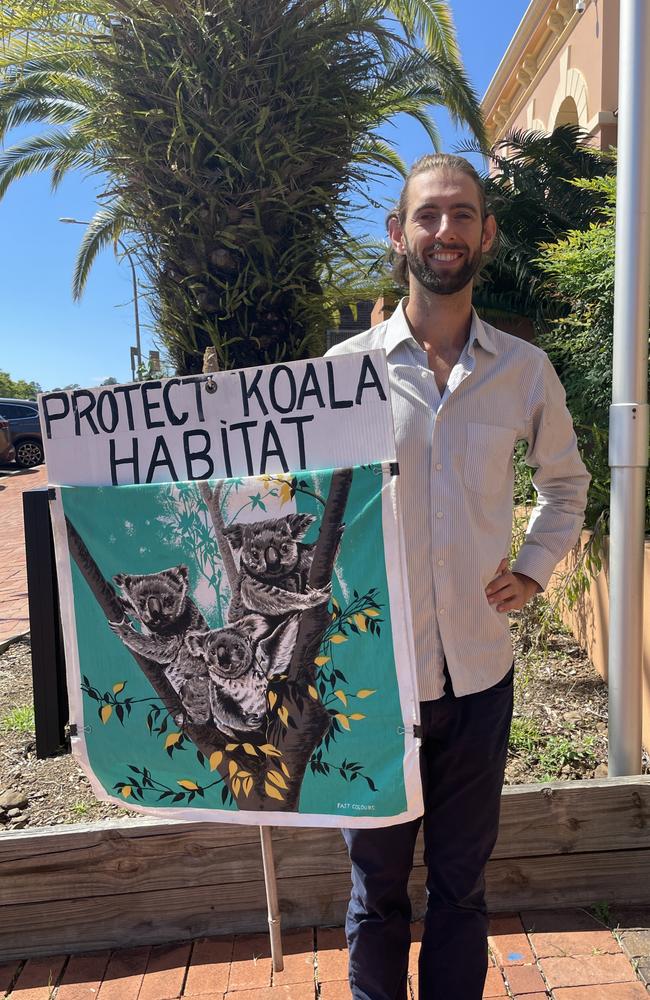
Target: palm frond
(106,226)
(43,152)
(432,21)
(372,150)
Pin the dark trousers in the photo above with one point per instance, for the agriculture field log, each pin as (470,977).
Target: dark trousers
(463,755)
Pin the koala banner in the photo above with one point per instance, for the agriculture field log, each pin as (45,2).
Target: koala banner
(239,649)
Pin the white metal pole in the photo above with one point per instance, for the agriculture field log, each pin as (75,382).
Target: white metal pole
(272,903)
(628,441)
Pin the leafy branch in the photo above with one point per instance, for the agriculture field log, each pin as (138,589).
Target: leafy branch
(142,782)
(349,770)
(109,700)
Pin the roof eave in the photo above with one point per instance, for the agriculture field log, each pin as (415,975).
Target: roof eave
(534,12)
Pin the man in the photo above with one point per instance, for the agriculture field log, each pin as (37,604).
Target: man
(463,394)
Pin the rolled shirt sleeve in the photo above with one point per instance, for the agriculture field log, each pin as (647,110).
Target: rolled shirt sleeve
(560,480)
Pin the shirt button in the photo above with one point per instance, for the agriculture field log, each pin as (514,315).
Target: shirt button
(441,562)
(439,514)
(441,611)
(424,373)
(438,466)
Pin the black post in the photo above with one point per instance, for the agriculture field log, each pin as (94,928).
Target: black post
(48,660)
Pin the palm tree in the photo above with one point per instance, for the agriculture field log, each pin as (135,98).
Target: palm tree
(533,194)
(235,135)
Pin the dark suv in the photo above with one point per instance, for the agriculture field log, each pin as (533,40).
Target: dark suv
(25,430)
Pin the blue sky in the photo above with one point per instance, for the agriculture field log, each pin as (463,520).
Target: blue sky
(47,337)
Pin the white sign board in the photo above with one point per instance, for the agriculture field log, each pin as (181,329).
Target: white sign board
(277,418)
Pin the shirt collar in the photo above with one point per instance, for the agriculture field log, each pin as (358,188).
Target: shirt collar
(398,332)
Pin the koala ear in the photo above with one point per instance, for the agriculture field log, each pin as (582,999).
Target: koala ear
(234,536)
(278,648)
(194,642)
(121,580)
(254,626)
(299,523)
(182,571)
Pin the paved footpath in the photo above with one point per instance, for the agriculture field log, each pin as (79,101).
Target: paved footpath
(14,614)
(562,954)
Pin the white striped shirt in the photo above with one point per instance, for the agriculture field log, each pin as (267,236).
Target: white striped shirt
(455,455)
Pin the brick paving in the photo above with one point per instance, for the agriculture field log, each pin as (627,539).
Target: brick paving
(14,615)
(540,955)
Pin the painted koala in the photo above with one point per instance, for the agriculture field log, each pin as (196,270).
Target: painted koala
(160,604)
(274,568)
(240,660)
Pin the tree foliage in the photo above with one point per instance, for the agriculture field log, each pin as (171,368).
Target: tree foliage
(579,274)
(17,388)
(235,135)
(531,191)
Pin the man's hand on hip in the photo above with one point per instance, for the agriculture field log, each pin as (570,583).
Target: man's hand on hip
(510,591)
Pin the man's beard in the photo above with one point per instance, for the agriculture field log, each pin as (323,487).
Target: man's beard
(443,284)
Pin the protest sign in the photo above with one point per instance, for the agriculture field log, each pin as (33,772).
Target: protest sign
(319,414)
(238,647)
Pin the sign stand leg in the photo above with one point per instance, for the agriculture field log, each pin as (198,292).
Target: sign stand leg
(275,930)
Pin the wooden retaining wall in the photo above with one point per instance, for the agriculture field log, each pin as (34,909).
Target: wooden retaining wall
(79,888)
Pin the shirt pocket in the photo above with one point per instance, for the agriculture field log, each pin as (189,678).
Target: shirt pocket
(488,457)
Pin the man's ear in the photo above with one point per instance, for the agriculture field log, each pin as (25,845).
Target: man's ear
(395,234)
(489,232)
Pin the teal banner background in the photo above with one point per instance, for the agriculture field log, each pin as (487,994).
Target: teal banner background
(358,769)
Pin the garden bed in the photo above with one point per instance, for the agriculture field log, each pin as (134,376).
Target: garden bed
(559,732)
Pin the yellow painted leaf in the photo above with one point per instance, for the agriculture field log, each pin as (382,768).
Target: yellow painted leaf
(270,750)
(250,749)
(172,740)
(334,616)
(313,692)
(215,759)
(243,774)
(335,604)
(341,696)
(357,716)
(119,687)
(285,769)
(106,713)
(361,622)
(272,698)
(320,661)
(126,791)
(343,719)
(285,493)
(231,746)
(366,692)
(337,638)
(277,779)
(371,612)
(283,715)
(272,792)
(247,785)
(236,787)
(233,767)
(191,786)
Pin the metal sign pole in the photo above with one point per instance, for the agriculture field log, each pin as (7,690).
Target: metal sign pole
(273,907)
(628,442)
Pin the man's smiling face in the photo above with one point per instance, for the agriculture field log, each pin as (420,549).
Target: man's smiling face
(444,234)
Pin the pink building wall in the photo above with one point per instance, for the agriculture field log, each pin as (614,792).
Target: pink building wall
(559,61)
